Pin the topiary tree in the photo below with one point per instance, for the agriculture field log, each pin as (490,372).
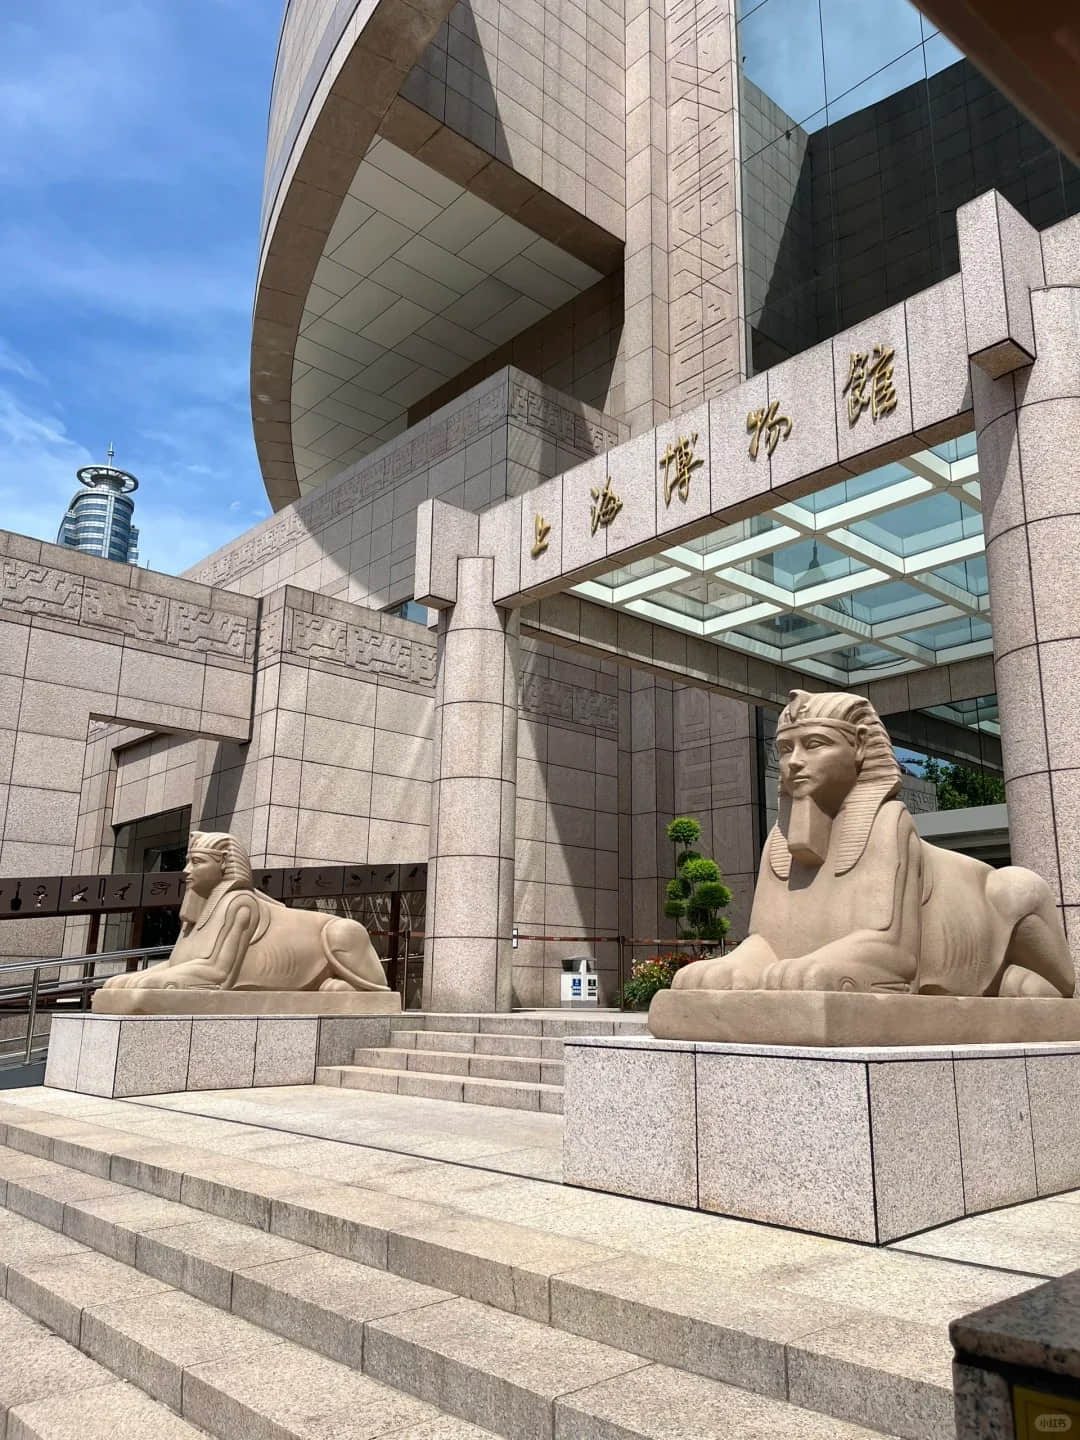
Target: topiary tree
(697,894)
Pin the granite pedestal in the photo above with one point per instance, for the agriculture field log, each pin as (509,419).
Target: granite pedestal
(867,1144)
(150,1001)
(121,1056)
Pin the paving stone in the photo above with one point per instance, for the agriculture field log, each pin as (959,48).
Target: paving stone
(658,1403)
(107,1412)
(680,1316)
(290,1394)
(56,1291)
(348,1222)
(43,1197)
(157,1169)
(201,1255)
(499,1371)
(322,1301)
(15,1165)
(23,1242)
(112,1225)
(35,1365)
(890,1375)
(152,1341)
(237,1190)
(504,1265)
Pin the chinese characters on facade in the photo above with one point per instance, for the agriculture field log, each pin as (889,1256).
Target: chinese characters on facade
(606,505)
(769,422)
(678,464)
(870,383)
(541,532)
(869,386)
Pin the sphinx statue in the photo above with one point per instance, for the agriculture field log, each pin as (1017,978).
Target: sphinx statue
(234,938)
(849,898)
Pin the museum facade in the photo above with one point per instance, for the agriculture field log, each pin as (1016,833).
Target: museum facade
(662,369)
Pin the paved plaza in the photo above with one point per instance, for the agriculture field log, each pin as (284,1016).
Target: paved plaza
(394,1251)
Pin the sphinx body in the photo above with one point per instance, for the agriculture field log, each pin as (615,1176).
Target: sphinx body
(849,897)
(233,937)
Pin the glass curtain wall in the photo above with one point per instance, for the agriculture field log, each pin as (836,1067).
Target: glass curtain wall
(862,131)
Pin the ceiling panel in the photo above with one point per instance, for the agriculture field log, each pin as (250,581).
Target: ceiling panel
(802,586)
(405,297)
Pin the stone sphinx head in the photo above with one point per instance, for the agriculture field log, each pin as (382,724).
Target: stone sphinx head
(837,769)
(213,859)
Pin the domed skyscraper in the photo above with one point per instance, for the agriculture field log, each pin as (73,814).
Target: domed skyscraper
(98,520)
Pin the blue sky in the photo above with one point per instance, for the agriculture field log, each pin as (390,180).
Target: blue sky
(130,176)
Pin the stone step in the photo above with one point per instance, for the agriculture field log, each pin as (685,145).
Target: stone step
(522,1047)
(227,1375)
(544,1024)
(49,1391)
(480,1067)
(240,1372)
(511,1094)
(523,1379)
(852,1363)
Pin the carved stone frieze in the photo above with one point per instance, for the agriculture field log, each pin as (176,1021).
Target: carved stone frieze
(40,590)
(399,461)
(206,631)
(362,648)
(555,700)
(133,613)
(130,614)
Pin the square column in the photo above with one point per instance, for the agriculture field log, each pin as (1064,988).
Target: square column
(473,799)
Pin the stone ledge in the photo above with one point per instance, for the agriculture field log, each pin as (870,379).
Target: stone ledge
(841,1018)
(284,1003)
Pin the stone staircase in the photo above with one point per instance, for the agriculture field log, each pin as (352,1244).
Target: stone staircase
(174,1290)
(514,1061)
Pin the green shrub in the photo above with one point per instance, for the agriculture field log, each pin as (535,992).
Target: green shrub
(697,894)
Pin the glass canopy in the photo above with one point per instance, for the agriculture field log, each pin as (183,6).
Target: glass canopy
(880,574)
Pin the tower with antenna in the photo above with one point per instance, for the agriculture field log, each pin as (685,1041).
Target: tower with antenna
(98,521)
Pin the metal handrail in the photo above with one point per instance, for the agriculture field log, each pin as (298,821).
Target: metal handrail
(129,954)
(34,991)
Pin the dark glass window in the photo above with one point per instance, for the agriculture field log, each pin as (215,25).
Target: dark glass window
(862,131)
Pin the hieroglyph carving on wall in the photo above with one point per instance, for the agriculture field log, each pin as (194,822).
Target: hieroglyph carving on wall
(135,615)
(555,700)
(398,461)
(544,413)
(40,590)
(361,648)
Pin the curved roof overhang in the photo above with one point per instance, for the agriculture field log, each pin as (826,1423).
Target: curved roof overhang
(357,84)
(353,115)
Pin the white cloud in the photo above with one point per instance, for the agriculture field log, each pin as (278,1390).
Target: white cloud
(134,135)
(15,364)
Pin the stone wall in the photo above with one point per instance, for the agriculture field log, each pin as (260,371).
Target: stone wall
(567,823)
(539,85)
(83,640)
(577,349)
(355,537)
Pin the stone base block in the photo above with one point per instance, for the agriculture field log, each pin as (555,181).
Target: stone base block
(118,1056)
(866,1144)
(839,1017)
(246,1002)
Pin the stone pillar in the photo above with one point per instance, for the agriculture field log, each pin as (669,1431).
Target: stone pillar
(1027,423)
(473,796)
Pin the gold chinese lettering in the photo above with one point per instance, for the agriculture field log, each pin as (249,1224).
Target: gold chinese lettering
(768,422)
(606,505)
(541,531)
(678,463)
(870,383)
